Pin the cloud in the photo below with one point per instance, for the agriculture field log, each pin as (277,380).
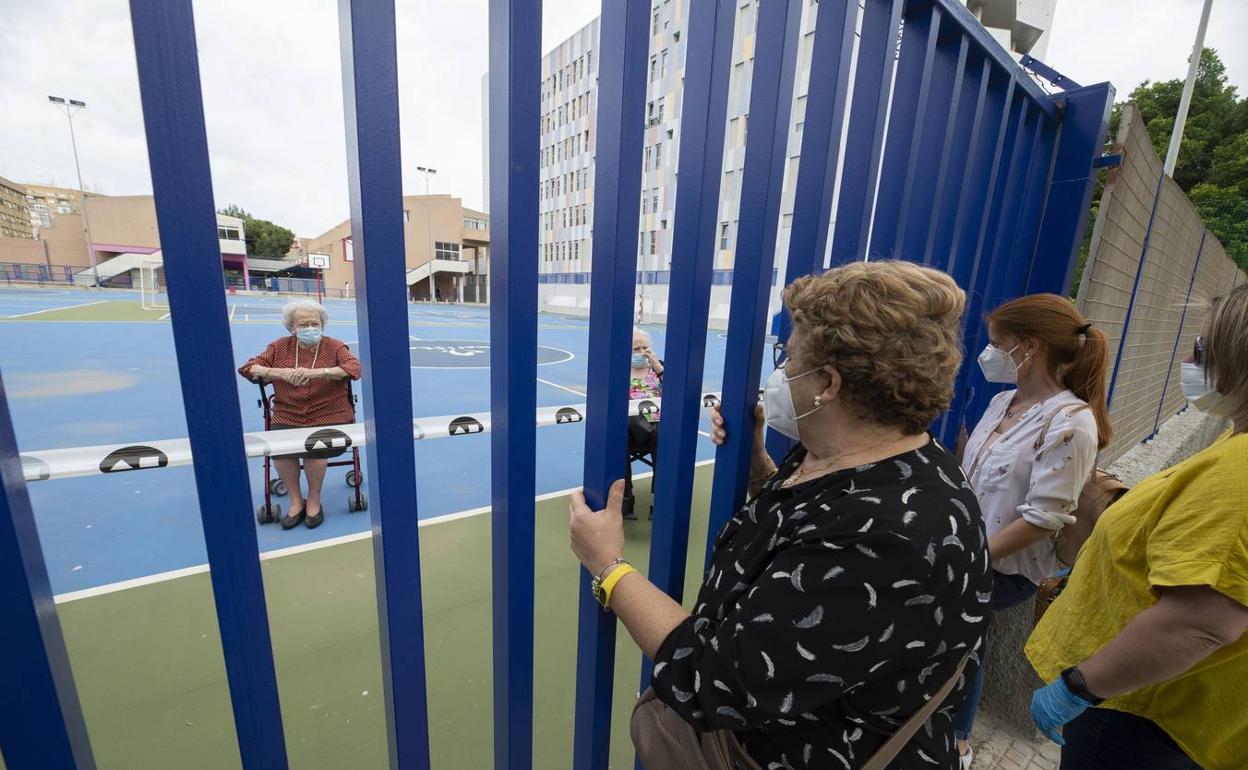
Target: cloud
(271,78)
(272,88)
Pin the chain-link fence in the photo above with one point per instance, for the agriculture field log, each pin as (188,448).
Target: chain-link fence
(1152,268)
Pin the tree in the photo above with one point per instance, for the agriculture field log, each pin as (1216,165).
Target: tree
(264,239)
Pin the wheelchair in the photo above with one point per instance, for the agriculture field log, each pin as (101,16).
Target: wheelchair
(275,487)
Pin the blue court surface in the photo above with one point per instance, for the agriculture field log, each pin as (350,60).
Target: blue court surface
(89,367)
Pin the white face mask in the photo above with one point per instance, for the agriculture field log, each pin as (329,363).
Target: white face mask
(1201,394)
(998,365)
(781,414)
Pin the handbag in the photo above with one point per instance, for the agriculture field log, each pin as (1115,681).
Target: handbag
(1101,490)
(665,741)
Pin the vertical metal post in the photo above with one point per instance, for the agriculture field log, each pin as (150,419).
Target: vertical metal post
(1185,101)
(41,722)
(371,111)
(771,95)
(1085,120)
(708,65)
(864,145)
(624,48)
(515,31)
(177,147)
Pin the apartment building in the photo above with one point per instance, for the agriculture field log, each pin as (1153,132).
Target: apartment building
(14,211)
(568,139)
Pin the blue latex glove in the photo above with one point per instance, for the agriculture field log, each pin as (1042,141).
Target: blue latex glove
(1053,706)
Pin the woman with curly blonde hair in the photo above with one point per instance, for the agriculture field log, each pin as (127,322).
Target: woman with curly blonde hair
(845,598)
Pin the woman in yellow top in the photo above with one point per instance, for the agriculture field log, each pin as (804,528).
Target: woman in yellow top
(1145,651)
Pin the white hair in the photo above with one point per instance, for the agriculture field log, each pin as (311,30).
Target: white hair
(640,332)
(290,308)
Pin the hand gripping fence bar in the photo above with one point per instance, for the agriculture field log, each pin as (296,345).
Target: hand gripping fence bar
(49,464)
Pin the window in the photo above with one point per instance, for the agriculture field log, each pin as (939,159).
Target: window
(223,233)
(658,156)
(723,236)
(646,164)
(663,63)
(654,30)
(654,68)
(446,251)
(642,245)
(654,240)
(654,201)
(407,215)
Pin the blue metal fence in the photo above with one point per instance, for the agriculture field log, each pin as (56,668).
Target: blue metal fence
(953,157)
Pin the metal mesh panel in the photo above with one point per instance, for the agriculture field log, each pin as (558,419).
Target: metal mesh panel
(1150,293)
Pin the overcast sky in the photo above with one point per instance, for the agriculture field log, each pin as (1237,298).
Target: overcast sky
(273,93)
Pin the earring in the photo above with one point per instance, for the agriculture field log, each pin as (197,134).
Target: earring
(818,400)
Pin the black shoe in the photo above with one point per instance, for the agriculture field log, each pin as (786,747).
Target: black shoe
(315,521)
(292,520)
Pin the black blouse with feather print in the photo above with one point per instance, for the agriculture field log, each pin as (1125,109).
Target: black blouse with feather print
(832,611)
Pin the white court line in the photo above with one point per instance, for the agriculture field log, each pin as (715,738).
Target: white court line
(232,309)
(560,387)
(413,337)
(166,316)
(52,309)
(161,577)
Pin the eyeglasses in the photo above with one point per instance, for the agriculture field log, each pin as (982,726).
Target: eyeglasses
(1198,351)
(779,355)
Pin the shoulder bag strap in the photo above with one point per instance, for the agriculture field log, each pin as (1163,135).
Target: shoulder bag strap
(1049,423)
(880,759)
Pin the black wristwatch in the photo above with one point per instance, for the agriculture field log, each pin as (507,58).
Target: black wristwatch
(1076,684)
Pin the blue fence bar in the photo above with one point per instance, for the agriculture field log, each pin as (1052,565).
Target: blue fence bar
(624,47)
(1079,143)
(911,100)
(707,67)
(514,92)
(771,95)
(41,723)
(177,148)
(864,145)
(370,91)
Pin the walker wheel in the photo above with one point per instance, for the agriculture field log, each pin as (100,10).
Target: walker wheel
(352,479)
(267,514)
(355,507)
(278,487)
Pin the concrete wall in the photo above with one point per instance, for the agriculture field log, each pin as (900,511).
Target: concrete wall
(22,250)
(123,221)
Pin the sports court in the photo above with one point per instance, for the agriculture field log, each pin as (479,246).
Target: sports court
(125,552)
(89,368)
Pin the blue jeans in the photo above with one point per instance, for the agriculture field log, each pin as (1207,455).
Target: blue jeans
(1103,739)
(1007,591)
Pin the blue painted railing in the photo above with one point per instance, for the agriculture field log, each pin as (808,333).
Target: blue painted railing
(953,157)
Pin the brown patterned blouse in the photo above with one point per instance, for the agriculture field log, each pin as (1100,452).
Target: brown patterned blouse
(319,401)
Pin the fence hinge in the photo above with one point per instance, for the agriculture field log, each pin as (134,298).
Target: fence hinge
(1108,161)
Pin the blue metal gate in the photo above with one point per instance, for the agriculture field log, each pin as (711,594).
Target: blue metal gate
(953,157)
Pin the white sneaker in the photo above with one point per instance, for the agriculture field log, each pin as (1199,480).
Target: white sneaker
(964,760)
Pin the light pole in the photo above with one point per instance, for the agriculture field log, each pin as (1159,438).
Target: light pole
(1185,101)
(428,172)
(69,107)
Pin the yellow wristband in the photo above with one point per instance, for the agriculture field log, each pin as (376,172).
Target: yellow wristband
(608,583)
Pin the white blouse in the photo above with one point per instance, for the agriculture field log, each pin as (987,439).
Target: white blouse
(1014,480)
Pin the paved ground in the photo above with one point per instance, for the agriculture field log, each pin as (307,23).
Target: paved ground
(999,748)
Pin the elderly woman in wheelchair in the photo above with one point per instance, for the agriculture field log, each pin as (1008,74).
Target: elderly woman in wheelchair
(645,382)
(310,374)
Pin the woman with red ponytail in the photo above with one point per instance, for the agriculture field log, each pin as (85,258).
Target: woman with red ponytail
(1034,448)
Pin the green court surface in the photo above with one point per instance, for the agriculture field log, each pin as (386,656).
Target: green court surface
(148,664)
